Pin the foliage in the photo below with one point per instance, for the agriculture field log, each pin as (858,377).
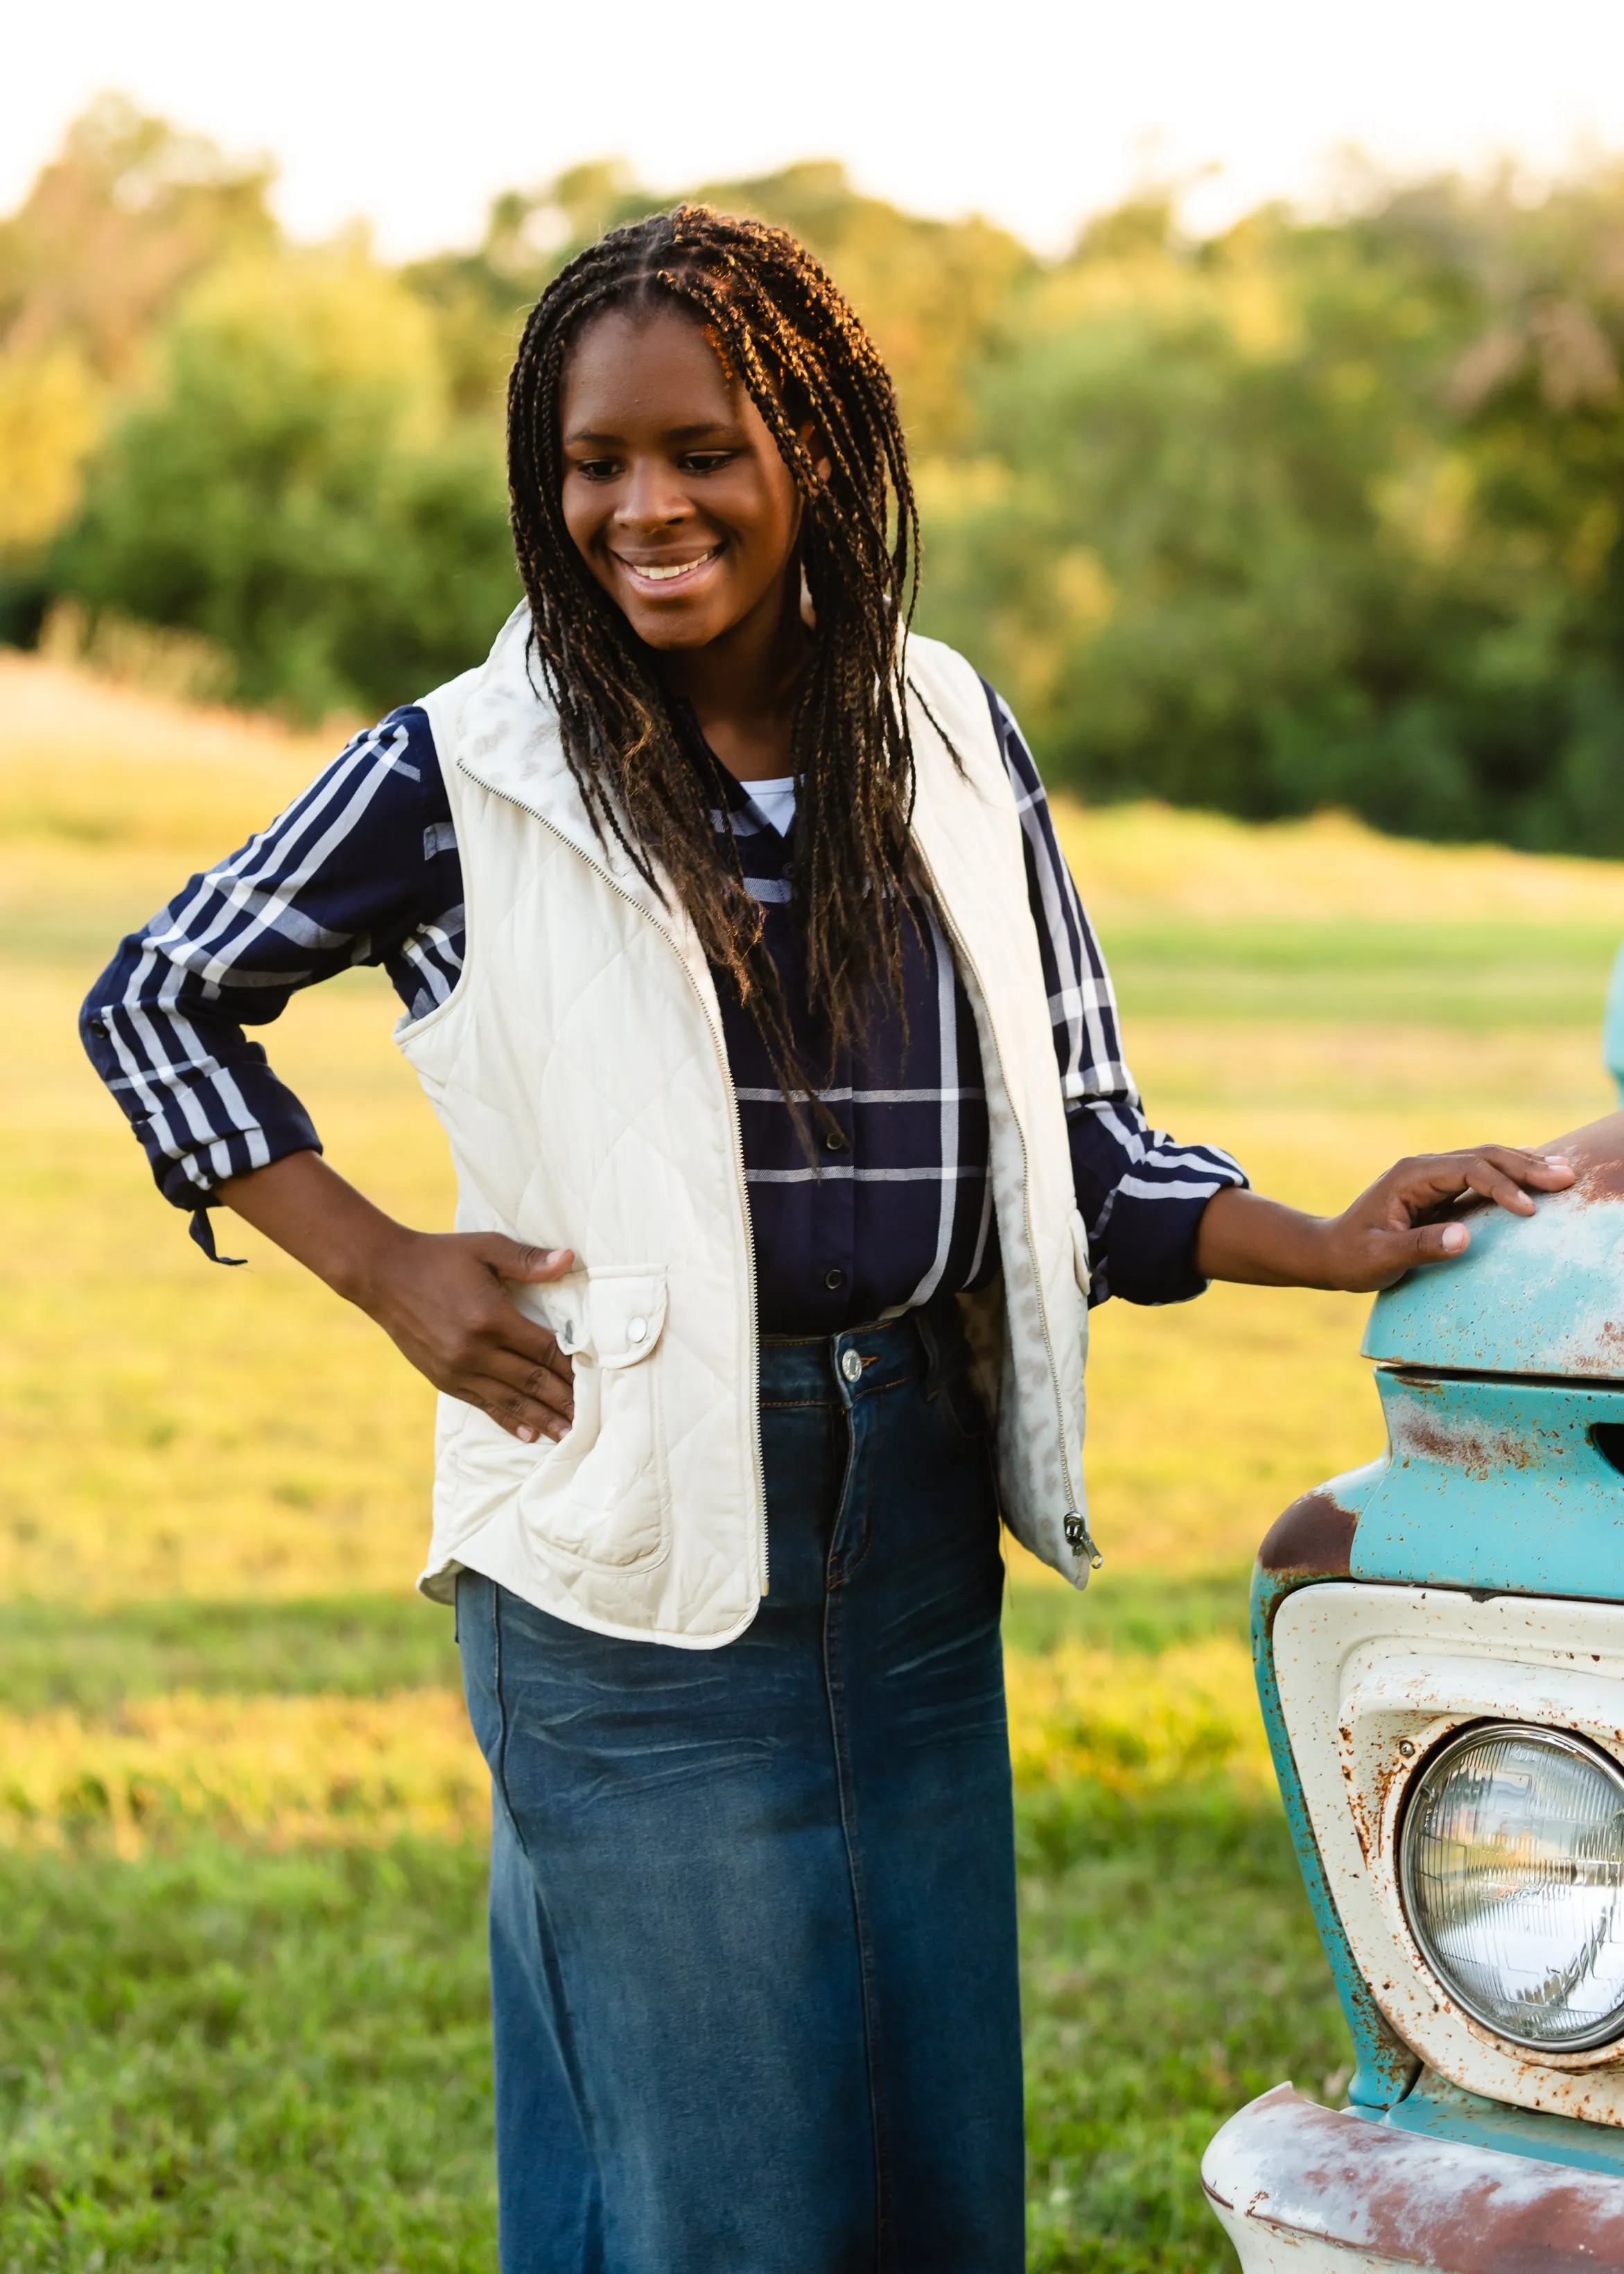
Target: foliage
(1312,514)
(293,490)
(110,234)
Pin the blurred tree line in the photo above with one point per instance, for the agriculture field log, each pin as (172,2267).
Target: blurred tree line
(1311,513)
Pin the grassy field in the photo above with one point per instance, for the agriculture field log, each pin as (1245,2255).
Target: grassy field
(241,1992)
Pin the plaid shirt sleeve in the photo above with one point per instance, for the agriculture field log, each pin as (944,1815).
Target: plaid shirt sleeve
(361,869)
(1140,1193)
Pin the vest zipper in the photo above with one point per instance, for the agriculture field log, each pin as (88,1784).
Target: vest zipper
(1075,1524)
(671,939)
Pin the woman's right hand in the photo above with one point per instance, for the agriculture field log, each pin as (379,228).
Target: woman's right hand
(441,1297)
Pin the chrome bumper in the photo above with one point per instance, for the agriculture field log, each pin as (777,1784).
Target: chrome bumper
(1299,2189)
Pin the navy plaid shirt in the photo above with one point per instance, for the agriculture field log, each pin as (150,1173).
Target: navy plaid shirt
(363,868)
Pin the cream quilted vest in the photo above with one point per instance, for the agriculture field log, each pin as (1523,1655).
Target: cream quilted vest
(580,1073)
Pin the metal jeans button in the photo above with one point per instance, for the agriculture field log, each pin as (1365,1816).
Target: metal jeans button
(851,1365)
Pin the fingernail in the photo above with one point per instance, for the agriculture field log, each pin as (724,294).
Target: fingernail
(1454,1238)
(528,1434)
(1557,1161)
(555,1255)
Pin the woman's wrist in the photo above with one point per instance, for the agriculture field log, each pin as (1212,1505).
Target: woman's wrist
(319,1219)
(1245,1237)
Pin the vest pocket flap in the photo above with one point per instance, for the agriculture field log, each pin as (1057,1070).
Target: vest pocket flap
(625,1313)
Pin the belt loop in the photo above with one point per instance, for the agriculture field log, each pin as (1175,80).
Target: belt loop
(933,1351)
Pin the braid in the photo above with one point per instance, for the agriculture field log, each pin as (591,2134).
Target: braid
(647,781)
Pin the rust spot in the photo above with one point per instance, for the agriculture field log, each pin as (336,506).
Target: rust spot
(1315,1534)
(1385,2195)
(1597,1152)
(1481,1452)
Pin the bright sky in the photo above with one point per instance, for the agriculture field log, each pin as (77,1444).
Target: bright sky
(1034,111)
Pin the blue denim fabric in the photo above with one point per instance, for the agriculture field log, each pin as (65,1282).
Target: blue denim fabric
(752,1909)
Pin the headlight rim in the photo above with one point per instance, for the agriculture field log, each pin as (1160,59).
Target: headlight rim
(1607,2033)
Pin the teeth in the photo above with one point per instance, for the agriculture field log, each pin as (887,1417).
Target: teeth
(664,575)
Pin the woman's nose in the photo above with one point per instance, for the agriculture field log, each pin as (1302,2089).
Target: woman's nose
(652,498)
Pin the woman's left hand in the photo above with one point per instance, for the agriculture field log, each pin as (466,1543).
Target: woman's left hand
(1407,1217)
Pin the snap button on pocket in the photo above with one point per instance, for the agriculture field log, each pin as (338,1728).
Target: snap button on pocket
(636,1329)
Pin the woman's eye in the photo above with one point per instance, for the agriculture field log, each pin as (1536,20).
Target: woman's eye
(706,461)
(597,469)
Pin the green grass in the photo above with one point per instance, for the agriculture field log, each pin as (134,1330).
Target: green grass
(229,2062)
(1335,971)
(1171,1973)
(223,2060)
(1128,1611)
(359,1646)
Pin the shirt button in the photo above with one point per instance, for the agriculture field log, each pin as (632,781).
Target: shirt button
(98,1026)
(834,1278)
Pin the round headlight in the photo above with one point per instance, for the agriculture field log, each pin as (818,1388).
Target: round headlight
(1511,1854)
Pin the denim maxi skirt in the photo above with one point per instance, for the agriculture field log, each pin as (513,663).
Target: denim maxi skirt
(752,1909)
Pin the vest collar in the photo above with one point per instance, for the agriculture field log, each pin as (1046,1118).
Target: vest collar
(509,743)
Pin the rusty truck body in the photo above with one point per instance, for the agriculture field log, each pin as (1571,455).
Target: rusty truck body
(1440,1649)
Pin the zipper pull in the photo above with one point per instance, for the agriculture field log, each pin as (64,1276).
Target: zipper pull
(1080,1540)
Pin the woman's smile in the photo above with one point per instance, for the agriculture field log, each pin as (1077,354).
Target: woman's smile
(666,575)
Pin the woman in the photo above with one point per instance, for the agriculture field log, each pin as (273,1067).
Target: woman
(781,1072)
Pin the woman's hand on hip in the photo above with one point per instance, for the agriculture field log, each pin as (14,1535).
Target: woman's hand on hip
(1411,1215)
(441,1297)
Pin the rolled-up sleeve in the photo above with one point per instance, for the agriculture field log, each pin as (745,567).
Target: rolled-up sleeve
(1140,1191)
(360,869)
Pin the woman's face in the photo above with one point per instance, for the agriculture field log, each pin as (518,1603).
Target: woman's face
(673,489)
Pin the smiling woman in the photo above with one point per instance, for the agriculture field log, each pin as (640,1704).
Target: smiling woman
(780,1068)
(677,499)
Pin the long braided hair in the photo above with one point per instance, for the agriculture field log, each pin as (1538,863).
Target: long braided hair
(786,334)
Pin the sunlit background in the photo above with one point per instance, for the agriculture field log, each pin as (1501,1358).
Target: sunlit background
(1261,367)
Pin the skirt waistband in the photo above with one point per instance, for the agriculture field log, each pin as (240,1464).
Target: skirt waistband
(924,1345)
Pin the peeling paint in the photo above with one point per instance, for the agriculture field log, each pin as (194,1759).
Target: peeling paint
(1421,1433)
(1382,2195)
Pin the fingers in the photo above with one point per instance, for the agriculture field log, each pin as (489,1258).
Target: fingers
(1493,1171)
(530,1401)
(1500,1174)
(528,1419)
(510,1258)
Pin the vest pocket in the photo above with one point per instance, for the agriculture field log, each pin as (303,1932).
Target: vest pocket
(600,1494)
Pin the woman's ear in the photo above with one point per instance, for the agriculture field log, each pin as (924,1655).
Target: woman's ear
(815,445)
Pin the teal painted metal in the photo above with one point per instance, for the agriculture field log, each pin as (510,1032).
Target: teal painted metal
(1497,1371)
(1494,1483)
(1439,2111)
(1384,2066)
(1533,1295)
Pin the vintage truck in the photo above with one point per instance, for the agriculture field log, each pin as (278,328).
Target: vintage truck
(1440,1648)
